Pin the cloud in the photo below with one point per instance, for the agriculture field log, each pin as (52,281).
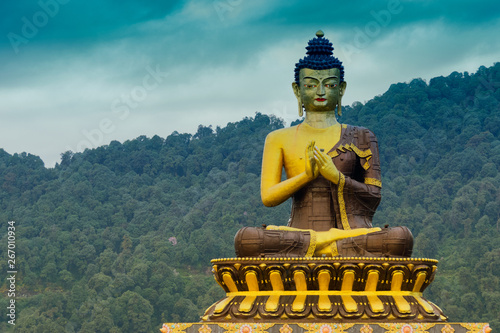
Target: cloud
(71,20)
(225,59)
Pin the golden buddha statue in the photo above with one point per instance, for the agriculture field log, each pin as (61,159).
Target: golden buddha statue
(332,174)
(329,263)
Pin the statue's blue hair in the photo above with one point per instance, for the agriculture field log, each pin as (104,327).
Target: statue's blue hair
(319,56)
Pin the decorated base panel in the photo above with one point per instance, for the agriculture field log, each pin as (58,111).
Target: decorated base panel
(292,327)
(345,289)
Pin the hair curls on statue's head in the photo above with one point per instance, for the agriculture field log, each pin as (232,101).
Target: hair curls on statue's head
(319,56)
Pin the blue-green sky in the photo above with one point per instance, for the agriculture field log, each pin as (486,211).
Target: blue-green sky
(76,74)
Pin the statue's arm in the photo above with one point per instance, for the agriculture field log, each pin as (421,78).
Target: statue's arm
(274,191)
(368,190)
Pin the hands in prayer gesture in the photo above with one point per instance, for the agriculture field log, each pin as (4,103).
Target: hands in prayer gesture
(324,164)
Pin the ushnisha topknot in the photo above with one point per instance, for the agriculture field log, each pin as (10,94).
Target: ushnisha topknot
(319,56)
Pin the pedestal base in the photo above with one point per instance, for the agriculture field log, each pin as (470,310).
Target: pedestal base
(312,290)
(292,327)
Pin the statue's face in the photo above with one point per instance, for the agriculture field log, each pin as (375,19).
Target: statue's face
(319,90)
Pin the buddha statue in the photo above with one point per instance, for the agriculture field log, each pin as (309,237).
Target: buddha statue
(332,175)
(329,264)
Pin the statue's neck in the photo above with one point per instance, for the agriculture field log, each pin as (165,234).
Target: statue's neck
(320,119)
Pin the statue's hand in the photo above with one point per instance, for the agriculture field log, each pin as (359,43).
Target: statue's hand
(311,165)
(326,166)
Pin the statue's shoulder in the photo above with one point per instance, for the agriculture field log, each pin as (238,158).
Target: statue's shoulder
(358,131)
(281,133)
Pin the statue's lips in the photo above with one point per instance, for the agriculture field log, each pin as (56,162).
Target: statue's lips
(321,99)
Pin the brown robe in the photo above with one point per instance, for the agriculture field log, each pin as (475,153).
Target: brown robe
(321,205)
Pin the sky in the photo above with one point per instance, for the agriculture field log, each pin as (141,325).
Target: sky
(79,74)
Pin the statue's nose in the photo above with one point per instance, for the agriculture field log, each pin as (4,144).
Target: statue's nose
(320,90)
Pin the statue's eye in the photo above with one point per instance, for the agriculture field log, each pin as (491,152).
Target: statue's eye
(310,85)
(331,85)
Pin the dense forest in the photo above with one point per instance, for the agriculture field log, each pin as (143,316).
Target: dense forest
(120,238)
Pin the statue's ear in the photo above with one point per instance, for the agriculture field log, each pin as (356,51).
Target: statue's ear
(343,85)
(296,89)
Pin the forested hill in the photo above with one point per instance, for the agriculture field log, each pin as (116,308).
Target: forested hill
(119,238)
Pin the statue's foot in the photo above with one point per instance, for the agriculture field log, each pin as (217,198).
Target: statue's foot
(337,234)
(326,241)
